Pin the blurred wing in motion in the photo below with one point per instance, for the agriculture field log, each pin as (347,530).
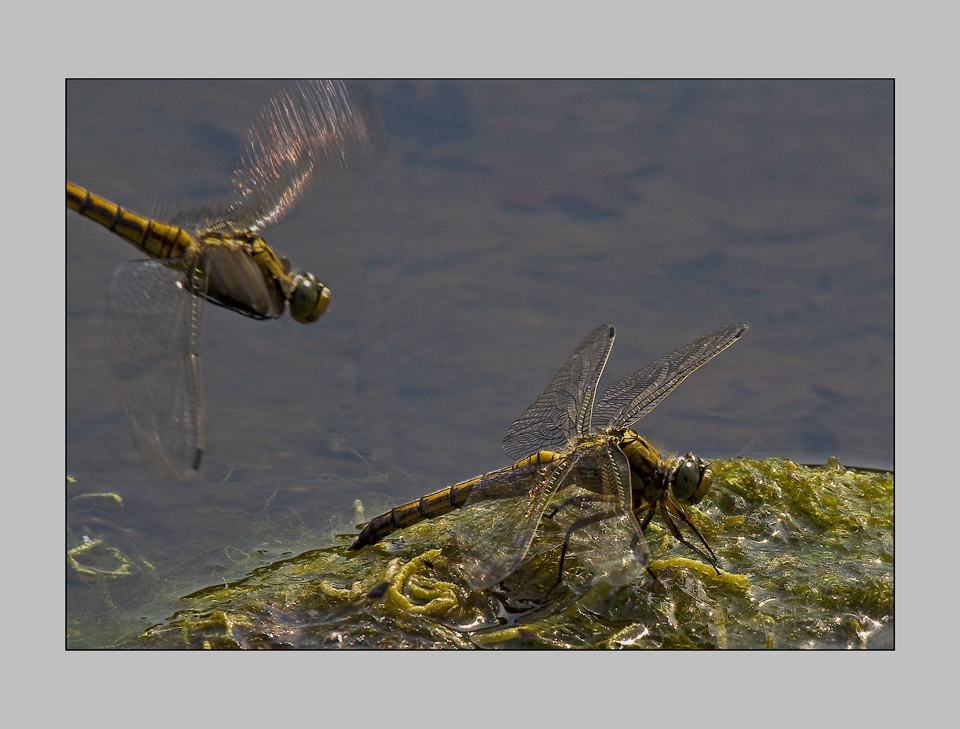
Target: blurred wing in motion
(323,125)
(154,354)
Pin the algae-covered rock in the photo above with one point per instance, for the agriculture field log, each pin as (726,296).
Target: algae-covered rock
(806,555)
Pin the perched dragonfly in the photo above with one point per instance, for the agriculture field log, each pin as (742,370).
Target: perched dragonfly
(586,463)
(215,253)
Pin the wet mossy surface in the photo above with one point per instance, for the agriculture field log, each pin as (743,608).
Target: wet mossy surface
(806,555)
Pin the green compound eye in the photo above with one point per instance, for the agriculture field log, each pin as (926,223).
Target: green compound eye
(692,479)
(309,300)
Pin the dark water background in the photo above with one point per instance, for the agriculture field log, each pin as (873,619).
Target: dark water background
(507,220)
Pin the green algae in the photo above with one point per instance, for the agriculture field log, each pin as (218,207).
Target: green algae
(806,556)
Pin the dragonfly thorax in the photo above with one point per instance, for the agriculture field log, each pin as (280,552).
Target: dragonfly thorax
(687,479)
(644,459)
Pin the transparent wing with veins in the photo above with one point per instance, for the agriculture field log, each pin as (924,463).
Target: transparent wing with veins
(563,411)
(597,515)
(591,488)
(633,397)
(500,519)
(154,353)
(319,126)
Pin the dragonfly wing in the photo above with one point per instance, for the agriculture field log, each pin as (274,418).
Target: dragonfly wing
(636,395)
(195,217)
(154,353)
(317,126)
(499,519)
(563,411)
(598,518)
(235,281)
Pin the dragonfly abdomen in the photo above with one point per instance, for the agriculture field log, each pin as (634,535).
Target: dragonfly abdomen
(442,502)
(426,507)
(157,239)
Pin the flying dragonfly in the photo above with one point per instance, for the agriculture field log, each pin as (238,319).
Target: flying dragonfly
(586,463)
(214,252)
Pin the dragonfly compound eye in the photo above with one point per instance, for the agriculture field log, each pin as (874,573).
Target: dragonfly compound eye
(309,300)
(692,479)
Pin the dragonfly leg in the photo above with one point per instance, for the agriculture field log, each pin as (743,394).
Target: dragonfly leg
(578,501)
(653,575)
(586,521)
(647,518)
(665,513)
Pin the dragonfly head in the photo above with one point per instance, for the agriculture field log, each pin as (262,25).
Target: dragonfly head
(689,479)
(309,299)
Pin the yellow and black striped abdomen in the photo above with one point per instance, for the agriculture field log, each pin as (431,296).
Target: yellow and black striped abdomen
(157,239)
(441,502)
